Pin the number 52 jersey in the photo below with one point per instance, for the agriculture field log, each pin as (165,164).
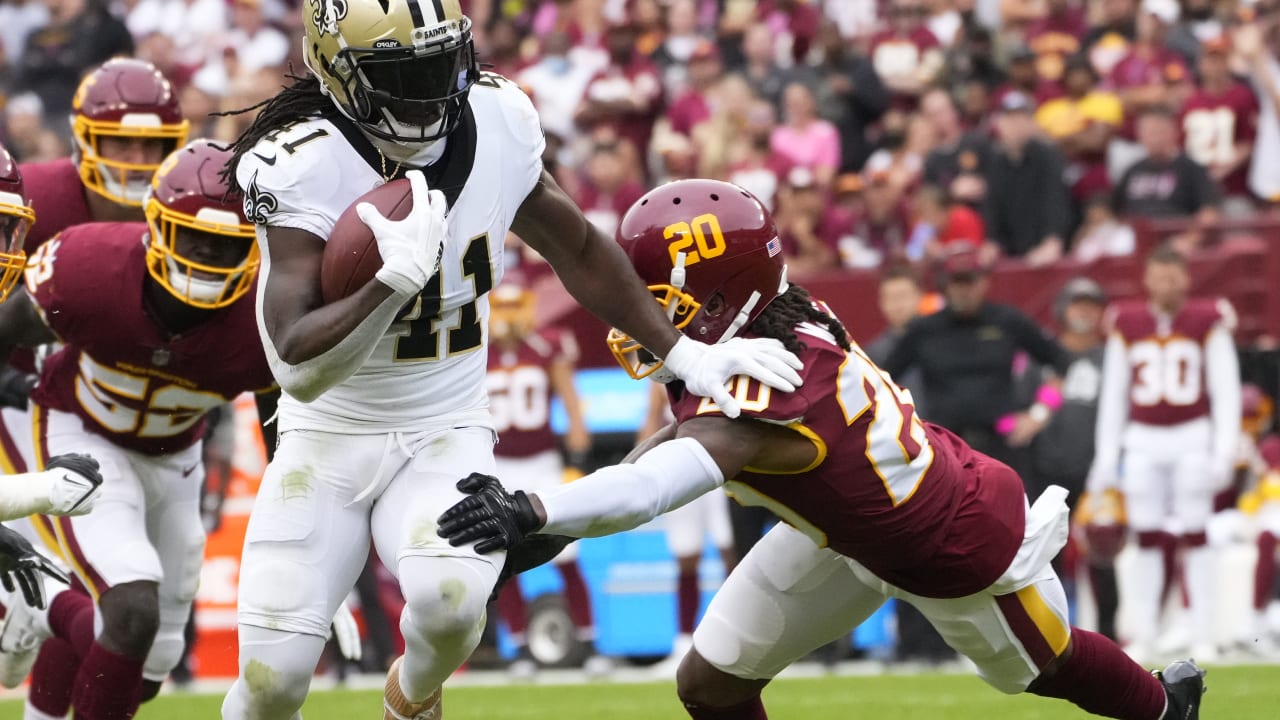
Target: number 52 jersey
(908,500)
(428,370)
(126,378)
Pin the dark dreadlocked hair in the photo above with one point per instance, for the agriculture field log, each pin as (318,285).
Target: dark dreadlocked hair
(780,317)
(300,100)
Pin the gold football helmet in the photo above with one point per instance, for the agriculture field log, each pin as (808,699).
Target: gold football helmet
(512,311)
(400,69)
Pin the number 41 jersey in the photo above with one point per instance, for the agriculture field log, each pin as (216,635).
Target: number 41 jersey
(428,369)
(908,500)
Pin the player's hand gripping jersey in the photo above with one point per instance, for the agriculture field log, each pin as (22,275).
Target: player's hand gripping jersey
(125,377)
(425,370)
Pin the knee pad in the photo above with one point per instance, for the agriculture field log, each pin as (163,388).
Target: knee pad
(445,596)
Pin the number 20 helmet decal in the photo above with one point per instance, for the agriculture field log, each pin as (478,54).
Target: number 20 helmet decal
(710,253)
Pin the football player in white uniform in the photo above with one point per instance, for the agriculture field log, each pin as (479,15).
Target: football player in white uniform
(384,404)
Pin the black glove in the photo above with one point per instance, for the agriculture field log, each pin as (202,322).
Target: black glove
(492,518)
(20,563)
(536,549)
(15,387)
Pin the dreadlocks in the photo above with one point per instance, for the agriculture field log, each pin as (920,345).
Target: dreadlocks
(791,308)
(299,101)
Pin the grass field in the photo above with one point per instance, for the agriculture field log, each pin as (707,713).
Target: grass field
(1236,693)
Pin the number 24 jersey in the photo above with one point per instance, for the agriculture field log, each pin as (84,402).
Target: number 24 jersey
(428,369)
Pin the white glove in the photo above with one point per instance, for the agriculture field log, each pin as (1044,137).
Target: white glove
(74,482)
(347,633)
(410,248)
(706,369)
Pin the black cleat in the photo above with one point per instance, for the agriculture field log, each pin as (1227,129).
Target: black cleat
(1183,687)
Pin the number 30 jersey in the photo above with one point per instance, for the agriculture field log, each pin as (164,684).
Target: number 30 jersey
(124,376)
(428,369)
(1167,357)
(907,499)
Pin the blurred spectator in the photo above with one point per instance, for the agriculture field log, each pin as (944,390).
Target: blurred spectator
(625,96)
(878,229)
(1023,78)
(1196,24)
(80,35)
(976,106)
(737,116)
(805,139)
(1219,124)
(972,59)
(959,159)
(693,106)
(849,94)
(905,139)
(760,65)
(556,82)
(196,27)
(257,44)
(1055,37)
(905,54)
(609,187)
(965,354)
(944,21)
(1149,74)
(1027,208)
(942,226)
(17,19)
(503,49)
(799,217)
(901,298)
(759,169)
(1082,123)
(1100,233)
(856,19)
(1108,41)
(196,106)
(23,124)
(648,18)
(1166,183)
(1256,43)
(678,46)
(793,22)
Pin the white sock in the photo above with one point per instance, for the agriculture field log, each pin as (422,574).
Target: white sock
(1144,603)
(1199,573)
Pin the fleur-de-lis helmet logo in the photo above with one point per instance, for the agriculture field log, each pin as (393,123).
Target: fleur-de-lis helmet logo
(325,14)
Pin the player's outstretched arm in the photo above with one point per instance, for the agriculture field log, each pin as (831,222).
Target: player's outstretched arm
(1113,401)
(597,273)
(623,497)
(68,485)
(1222,374)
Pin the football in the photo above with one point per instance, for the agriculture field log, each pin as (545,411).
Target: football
(351,256)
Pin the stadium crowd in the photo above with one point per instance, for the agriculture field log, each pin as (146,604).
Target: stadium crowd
(882,133)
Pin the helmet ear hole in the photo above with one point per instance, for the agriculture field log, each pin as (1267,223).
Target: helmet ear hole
(714,306)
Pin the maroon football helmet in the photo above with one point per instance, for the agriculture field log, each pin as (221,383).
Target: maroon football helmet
(124,98)
(16,217)
(201,248)
(710,253)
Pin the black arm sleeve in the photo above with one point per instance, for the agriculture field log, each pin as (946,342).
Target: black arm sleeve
(1038,344)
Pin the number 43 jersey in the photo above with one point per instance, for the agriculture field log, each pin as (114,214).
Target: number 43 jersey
(428,369)
(125,377)
(908,500)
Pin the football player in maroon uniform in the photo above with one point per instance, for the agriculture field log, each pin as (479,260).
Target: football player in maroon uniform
(158,324)
(1170,410)
(875,503)
(527,367)
(125,119)
(1220,120)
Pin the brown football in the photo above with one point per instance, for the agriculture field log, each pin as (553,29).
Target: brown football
(351,256)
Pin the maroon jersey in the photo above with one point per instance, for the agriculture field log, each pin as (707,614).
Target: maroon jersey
(908,500)
(1167,357)
(57,196)
(519,388)
(124,376)
(1135,70)
(1213,124)
(1054,38)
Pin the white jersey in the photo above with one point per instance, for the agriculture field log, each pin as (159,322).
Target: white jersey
(428,369)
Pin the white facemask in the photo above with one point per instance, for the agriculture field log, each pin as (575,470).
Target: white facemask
(199,290)
(133,190)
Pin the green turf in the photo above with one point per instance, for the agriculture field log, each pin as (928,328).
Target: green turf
(1239,693)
